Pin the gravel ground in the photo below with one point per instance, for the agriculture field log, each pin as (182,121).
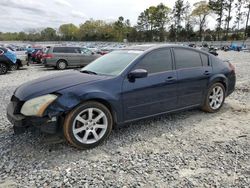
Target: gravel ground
(186,149)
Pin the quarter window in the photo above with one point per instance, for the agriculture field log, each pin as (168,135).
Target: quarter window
(187,58)
(73,50)
(157,61)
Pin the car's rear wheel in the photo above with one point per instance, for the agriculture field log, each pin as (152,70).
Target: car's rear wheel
(13,67)
(3,68)
(215,98)
(88,125)
(61,65)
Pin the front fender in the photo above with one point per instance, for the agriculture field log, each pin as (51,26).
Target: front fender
(68,101)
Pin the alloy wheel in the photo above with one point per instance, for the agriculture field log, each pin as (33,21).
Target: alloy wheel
(216,97)
(13,67)
(90,125)
(3,68)
(62,65)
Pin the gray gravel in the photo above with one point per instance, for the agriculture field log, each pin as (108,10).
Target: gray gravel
(186,149)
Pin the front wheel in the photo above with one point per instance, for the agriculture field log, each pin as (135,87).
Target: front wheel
(215,98)
(88,125)
(3,68)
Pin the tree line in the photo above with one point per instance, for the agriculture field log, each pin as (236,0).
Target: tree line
(157,23)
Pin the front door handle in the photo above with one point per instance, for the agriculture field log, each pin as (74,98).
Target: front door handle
(207,72)
(170,79)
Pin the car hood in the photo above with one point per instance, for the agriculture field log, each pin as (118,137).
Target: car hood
(53,83)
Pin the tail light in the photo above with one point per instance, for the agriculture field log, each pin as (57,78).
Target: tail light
(48,56)
(231,66)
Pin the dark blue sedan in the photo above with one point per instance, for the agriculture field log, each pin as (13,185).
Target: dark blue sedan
(121,87)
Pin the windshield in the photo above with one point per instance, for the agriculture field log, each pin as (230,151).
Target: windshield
(113,63)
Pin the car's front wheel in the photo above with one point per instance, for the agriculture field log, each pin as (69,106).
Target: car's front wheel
(3,68)
(215,98)
(88,125)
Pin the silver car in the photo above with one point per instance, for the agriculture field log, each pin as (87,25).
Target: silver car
(62,57)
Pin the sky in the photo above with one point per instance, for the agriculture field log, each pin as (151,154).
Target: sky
(23,15)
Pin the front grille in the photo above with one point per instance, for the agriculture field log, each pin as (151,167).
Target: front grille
(17,104)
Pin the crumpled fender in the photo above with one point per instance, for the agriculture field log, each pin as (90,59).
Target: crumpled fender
(11,56)
(68,101)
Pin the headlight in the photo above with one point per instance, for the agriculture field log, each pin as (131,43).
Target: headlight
(37,106)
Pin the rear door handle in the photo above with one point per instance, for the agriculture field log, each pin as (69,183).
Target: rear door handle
(207,72)
(170,79)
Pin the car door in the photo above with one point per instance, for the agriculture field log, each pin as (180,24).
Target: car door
(60,53)
(192,76)
(73,54)
(155,93)
(86,56)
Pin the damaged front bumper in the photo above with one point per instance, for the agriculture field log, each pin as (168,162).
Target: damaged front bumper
(21,123)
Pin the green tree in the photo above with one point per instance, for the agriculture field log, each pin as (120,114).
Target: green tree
(247,33)
(228,8)
(68,31)
(122,28)
(162,18)
(239,14)
(200,13)
(179,12)
(147,21)
(217,6)
(96,30)
(152,22)
(48,34)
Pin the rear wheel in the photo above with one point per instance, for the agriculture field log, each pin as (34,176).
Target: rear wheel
(3,68)
(88,125)
(215,98)
(61,65)
(13,67)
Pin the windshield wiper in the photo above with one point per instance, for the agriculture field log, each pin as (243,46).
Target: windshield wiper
(88,72)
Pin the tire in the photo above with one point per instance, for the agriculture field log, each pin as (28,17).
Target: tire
(61,65)
(85,132)
(3,68)
(19,64)
(13,67)
(215,98)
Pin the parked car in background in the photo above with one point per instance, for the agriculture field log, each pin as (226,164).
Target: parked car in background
(7,60)
(209,49)
(62,57)
(21,56)
(35,53)
(121,87)
(37,57)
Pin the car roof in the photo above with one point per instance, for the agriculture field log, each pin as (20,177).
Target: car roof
(65,47)
(149,47)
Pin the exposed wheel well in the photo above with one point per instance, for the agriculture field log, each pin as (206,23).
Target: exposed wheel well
(224,84)
(108,105)
(103,102)
(220,80)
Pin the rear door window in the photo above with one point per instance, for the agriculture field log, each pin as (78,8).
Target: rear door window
(60,50)
(185,58)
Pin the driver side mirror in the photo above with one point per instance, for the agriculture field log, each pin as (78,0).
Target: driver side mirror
(137,73)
